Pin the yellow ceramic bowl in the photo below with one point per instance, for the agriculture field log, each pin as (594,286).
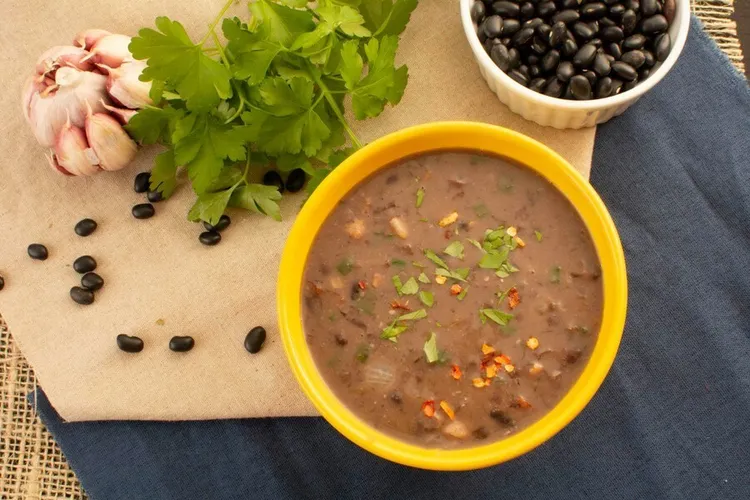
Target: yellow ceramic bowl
(429,138)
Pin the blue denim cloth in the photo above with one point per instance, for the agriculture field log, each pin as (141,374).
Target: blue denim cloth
(672,419)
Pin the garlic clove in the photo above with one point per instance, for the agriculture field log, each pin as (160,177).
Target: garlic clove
(125,87)
(63,55)
(109,142)
(111,50)
(87,38)
(31,87)
(71,151)
(52,160)
(122,115)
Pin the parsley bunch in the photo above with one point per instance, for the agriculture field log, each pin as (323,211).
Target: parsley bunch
(272,94)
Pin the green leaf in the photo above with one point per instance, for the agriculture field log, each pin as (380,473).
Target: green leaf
(279,23)
(392,331)
(164,174)
(296,4)
(381,84)
(481,210)
(311,39)
(347,19)
(173,58)
(431,349)
(410,287)
(419,314)
(423,278)
(462,294)
(427,298)
(351,64)
(475,243)
(362,353)
(538,236)
(434,258)
(210,207)
(287,163)
(496,315)
(455,249)
(397,283)
(316,178)
(555,274)
(152,125)
(257,198)
(345,266)
(420,197)
(458,276)
(385,17)
(398,262)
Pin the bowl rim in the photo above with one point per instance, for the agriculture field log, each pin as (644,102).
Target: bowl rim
(682,13)
(430,138)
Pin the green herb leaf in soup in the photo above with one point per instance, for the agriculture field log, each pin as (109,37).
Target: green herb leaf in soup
(555,274)
(397,283)
(500,317)
(538,235)
(455,249)
(431,350)
(345,266)
(423,278)
(419,314)
(410,287)
(434,258)
(427,298)
(462,295)
(420,197)
(398,262)
(392,331)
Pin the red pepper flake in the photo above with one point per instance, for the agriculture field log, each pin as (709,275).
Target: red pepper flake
(491,371)
(455,289)
(428,408)
(502,360)
(513,298)
(362,284)
(447,409)
(456,372)
(479,383)
(395,304)
(487,349)
(521,402)
(448,234)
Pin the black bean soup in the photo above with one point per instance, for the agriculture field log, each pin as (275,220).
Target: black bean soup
(575,49)
(452,299)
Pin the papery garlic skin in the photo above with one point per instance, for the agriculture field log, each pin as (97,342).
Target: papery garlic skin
(63,55)
(111,50)
(122,115)
(111,145)
(87,38)
(126,88)
(72,151)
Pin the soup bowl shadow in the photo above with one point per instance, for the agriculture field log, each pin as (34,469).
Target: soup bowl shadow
(476,137)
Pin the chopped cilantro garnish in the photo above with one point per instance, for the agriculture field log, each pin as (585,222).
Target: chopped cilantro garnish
(392,331)
(481,210)
(538,235)
(423,278)
(431,350)
(555,274)
(427,298)
(456,275)
(418,264)
(333,317)
(424,220)
(398,262)
(420,197)
(345,266)
(434,258)
(475,243)
(455,249)
(410,287)
(462,295)
(418,314)
(362,353)
(397,283)
(496,315)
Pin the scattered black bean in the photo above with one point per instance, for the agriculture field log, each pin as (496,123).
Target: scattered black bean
(523,37)
(569,48)
(142,182)
(477,11)
(604,87)
(37,251)
(81,295)
(493,26)
(502,417)
(546,9)
(2,282)
(273,178)
(649,7)
(558,34)
(92,281)
(629,20)
(624,71)
(583,31)
(296,180)
(254,339)
(143,211)
(570,4)
(155,196)
(340,339)
(527,10)
(480,433)
(580,87)
(84,264)
(510,27)
(537,84)
(85,227)
(129,343)
(210,238)
(565,71)
(566,16)
(224,222)
(181,344)
(501,58)
(602,66)
(534,71)
(514,58)
(519,77)
(634,58)
(554,88)
(661,47)
(585,56)
(612,34)
(654,24)
(614,50)
(594,10)
(634,42)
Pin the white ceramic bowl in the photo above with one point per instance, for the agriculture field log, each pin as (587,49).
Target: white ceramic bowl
(563,113)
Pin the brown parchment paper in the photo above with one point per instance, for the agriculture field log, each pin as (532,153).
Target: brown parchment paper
(156,269)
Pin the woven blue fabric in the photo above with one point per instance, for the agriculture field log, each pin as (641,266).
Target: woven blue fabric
(672,419)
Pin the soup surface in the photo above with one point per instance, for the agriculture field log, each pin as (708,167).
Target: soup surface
(452,299)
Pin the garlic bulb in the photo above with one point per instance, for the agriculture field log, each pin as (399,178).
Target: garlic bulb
(78,99)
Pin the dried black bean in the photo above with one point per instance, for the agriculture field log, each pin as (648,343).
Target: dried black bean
(181,344)
(580,87)
(543,30)
(604,87)
(539,46)
(210,238)
(565,71)
(569,48)
(554,88)
(142,182)
(550,61)
(606,22)
(585,56)
(643,74)
(155,196)
(481,34)
(629,85)
(567,93)
(254,339)
(624,71)
(612,34)
(493,26)
(669,10)
(510,27)
(616,86)
(532,59)
(519,77)
(85,227)
(635,58)
(505,41)
(594,10)
(92,281)
(524,69)
(296,180)
(129,343)
(616,11)
(81,295)
(662,45)
(558,34)
(649,7)
(610,58)
(506,9)
(523,37)
(37,251)
(533,23)
(222,224)
(650,59)
(570,4)
(143,211)
(514,58)
(527,10)
(583,31)
(633,5)
(566,16)
(501,58)
(546,9)
(534,70)
(629,20)
(594,25)
(2,282)
(591,76)
(634,42)
(502,417)
(602,66)
(537,84)
(273,178)
(84,264)
(614,50)
(610,2)
(477,11)
(487,45)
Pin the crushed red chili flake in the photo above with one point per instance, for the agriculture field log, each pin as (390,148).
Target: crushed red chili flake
(395,304)
(491,371)
(447,409)
(455,289)
(428,408)
(513,298)
(456,372)
(487,349)
(502,359)
(479,383)
(521,402)
(448,233)
(362,284)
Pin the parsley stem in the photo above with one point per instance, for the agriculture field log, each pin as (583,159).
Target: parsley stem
(220,48)
(216,20)
(334,106)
